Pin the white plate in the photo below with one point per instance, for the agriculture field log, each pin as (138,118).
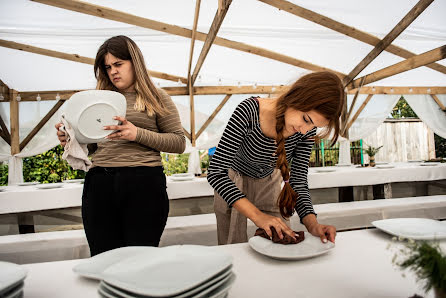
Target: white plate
(74,181)
(415,160)
(384,167)
(28,183)
(14,292)
(427,164)
(414,228)
(344,165)
(381,163)
(310,247)
(182,177)
(221,291)
(152,273)
(49,185)
(2,188)
(206,286)
(327,170)
(10,276)
(89,111)
(94,267)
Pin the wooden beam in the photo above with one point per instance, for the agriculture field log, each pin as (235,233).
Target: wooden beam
(119,16)
(408,64)
(209,120)
(349,112)
(186,133)
(4,90)
(41,124)
(215,90)
(400,90)
(5,133)
(344,29)
(76,58)
(366,101)
(216,24)
(388,39)
(190,82)
(14,122)
(438,101)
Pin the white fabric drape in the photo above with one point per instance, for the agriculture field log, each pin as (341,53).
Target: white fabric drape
(374,113)
(194,164)
(45,139)
(429,111)
(344,151)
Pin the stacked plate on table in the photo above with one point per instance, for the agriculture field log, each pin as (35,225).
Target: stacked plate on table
(413,228)
(182,177)
(173,271)
(12,278)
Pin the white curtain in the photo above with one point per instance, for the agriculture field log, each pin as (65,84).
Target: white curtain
(374,113)
(429,111)
(30,114)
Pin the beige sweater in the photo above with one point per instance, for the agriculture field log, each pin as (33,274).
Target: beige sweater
(154,134)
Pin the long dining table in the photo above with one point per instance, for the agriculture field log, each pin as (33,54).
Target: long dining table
(360,265)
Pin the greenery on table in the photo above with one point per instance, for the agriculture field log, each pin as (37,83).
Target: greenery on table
(371,151)
(426,260)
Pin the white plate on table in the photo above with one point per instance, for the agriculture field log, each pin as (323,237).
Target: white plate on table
(384,166)
(89,111)
(202,291)
(151,274)
(414,160)
(381,163)
(311,247)
(11,276)
(427,164)
(182,177)
(414,228)
(74,181)
(325,170)
(28,183)
(14,292)
(2,188)
(344,164)
(94,267)
(49,185)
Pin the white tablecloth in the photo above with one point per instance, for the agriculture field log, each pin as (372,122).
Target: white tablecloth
(359,266)
(28,198)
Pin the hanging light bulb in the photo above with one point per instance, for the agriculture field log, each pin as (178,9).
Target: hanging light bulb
(410,90)
(57,96)
(391,90)
(38,98)
(18,98)
(373,89)
(179,82)
(219,82)
(254,86)
(428,90)
(199,78)
(239,85)
(1,96)
(273,89)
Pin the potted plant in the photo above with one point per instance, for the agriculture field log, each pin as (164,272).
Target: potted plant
(371,151)
(428,263)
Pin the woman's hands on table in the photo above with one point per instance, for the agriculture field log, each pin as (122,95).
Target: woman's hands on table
(325,232)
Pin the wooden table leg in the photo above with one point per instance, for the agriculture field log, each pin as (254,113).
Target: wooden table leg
(382,191)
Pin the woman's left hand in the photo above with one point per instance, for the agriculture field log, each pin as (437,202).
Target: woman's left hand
(324,232)
(125,131)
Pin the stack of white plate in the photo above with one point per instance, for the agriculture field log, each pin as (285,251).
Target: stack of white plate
(12,278)
(173,271)
(182,177)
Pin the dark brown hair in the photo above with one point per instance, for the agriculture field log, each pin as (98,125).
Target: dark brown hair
(148,97)
(320,91)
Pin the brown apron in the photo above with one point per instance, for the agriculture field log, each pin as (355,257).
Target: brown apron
(263,193)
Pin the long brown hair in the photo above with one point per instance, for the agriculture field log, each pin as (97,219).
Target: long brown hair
(320,91)
(147,96)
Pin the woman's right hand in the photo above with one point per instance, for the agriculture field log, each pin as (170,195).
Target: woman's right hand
(266,221)
(61,135)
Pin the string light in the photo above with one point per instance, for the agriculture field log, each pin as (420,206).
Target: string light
(1,96)
(373,89)
(219,82)
(179,81)
(38,98)
(273,89)
(254,86)
(428,90)
(18,98)
(391,90)
(239,85)
(57,96)
(410,90)
(199,78)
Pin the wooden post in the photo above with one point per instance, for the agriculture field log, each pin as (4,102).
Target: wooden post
(439,103)
(14,122)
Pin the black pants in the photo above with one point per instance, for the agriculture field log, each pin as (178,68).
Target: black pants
(125,206)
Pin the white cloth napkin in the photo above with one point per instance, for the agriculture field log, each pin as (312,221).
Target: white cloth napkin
(75,154)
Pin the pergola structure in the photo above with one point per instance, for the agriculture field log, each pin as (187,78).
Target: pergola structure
(354,83)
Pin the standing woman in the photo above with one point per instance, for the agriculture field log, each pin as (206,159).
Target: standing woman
(124,201)
(262,138)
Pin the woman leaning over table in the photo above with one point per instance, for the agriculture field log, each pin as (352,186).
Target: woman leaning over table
(262,138)
(124,201)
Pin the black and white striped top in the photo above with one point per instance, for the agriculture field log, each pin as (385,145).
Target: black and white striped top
(244,148)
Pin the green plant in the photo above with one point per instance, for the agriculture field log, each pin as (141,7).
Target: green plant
(426,260)
(174,163)
(3,173)
(371,151)
(403,110)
